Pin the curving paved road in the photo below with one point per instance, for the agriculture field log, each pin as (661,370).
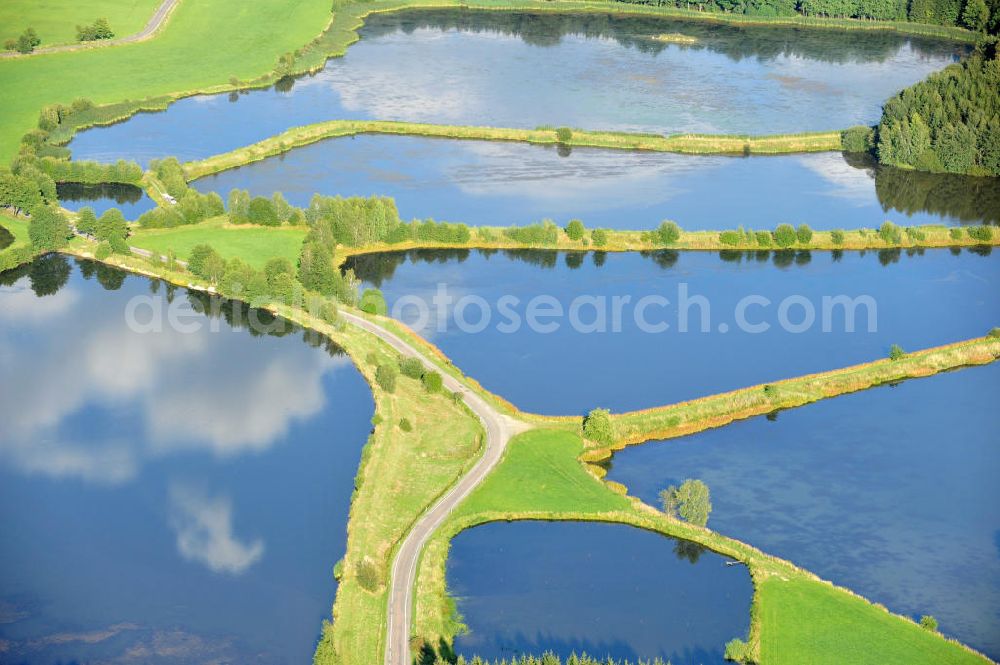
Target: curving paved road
(499,429)
(155,23)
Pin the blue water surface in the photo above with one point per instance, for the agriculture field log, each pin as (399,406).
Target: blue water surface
(890,492)
(170,496)
(484,183)
(519,69)
(603,589)
(590,357)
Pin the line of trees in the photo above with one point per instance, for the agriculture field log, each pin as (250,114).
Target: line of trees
(360,221)
(949,122)
(979,15)
(276,283)
(244,209)
(26,43)
(192,208)
(64,170)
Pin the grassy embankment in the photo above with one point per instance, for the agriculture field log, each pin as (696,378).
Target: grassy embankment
(55,21)
(401,473)
(683,143)
(257,243)
(717,410)
(491,237)
(253,244)
(795,618)
(235,47)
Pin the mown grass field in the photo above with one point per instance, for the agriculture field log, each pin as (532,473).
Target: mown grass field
(18,227)
(55,21)
(253,244)
(203,45)
(540,472)
(804,621)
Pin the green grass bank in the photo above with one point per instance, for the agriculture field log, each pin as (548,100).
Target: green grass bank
(696,144)
(717,410)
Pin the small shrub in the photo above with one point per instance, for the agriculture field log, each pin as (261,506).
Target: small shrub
(763,238)
(405,425)
(837,236)
(26,43)
(929,623)
(119,245)
(731,238)
(691,501)
(770,391)
(980,233)
(994,333)
(784,235)
(103,251)
(411,367)
(857,139)
(433,383)
(368,575)
(373,302)
(668,232)
(597,426)
(575,230)
(564,134)
(385,377)
(599,237)
(890,233)
(338,570)
(896,352)
(328,312)
(737,651)
(955,234)
(915,234)
(804,234)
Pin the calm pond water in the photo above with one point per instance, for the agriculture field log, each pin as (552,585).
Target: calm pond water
(529,587)
(587,361)
(167,497)
(485,183)
(131,200)
(891,492)
(524,70)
